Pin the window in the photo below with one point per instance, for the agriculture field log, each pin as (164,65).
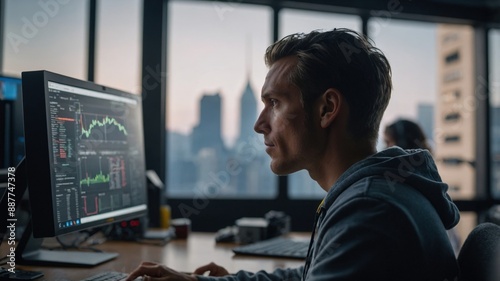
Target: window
(43,36)
(453,138)
(454,116)
(215,51)
(455,56)
(451,97)
(450,37)
(118,44)
(452,75)
(215,72)
(300,185)
(454,161)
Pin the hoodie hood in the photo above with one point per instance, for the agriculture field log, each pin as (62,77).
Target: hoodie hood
(414,167)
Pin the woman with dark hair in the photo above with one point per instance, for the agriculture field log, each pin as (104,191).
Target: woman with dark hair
(405,134)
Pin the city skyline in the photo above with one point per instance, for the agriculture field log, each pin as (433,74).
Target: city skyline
(240,169)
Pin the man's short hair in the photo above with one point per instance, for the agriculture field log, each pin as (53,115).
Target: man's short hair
(344,60)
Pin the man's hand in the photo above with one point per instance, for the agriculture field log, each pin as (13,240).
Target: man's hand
(150,271)
(212,269)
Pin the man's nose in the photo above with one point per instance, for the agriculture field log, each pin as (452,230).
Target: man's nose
(261,123)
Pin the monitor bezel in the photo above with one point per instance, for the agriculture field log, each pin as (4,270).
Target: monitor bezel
(39,158)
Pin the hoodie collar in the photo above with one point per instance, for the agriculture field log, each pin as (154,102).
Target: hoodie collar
(414,167)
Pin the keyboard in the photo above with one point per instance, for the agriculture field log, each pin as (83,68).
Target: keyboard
(281,247)
(107,276)
(19,274)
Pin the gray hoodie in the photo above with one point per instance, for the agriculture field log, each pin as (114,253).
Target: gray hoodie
(384,219)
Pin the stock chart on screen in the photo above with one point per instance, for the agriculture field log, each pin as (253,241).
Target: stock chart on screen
(93,152)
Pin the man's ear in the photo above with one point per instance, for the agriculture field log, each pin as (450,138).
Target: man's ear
(331,102)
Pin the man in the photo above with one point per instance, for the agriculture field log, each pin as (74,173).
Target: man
(385,214)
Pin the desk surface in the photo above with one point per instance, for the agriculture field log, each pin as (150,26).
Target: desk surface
(181,255)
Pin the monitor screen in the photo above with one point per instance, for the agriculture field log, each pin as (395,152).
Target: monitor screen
(11,116)
(84,153)
(9,87)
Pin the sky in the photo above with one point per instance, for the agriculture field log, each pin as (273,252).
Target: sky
(212,47)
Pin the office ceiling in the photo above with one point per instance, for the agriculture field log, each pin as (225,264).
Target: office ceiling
(448,11)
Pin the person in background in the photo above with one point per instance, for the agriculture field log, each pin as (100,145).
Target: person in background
(406,134)
(409,135)
(386,213)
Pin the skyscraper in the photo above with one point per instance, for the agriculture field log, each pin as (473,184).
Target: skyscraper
(247,181)
(208,133)
(248,113)
(455,118)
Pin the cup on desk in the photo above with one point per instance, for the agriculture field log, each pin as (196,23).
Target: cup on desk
(182,227)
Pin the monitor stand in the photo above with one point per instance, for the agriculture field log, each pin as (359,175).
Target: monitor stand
(29,250)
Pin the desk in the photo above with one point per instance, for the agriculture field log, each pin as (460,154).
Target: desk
(181,255)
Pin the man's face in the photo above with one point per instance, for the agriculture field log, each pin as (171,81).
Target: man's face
(288,135)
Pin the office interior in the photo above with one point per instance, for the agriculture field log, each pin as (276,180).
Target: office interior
(199,67)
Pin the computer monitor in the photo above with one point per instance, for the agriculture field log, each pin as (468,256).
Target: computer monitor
(85,163)
(11,124)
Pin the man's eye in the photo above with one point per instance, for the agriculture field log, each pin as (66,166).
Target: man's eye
(273,102)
